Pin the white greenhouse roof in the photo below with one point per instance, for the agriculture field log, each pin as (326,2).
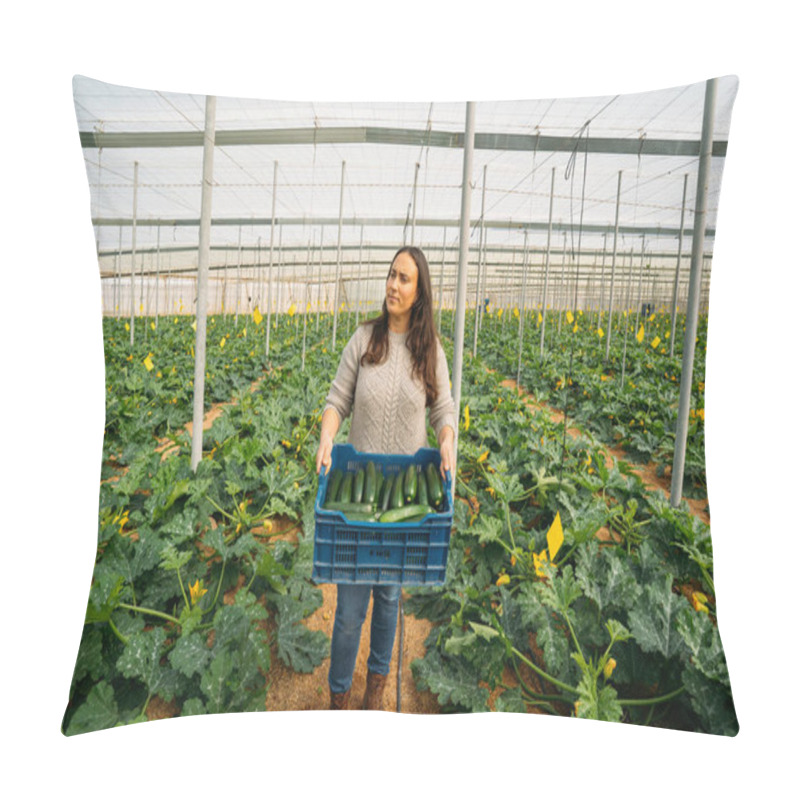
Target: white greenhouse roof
(387,149)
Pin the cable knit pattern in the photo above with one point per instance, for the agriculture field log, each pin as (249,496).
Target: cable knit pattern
(387,403)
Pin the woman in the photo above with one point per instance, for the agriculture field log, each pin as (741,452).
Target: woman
(392,369)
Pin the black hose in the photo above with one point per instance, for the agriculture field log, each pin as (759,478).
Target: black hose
(400,655)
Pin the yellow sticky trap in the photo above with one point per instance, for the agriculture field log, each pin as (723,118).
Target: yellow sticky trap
(600,332)
(655,343)
(222,342)
(570,318)
(555,536)
(466,418)
(194,326)
(148,362)
(640,334)
(292,310)
(257,316)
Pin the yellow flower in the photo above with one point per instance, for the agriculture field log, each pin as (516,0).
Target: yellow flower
(555,536)
(197,591)
(699,601)
(609,667)
(483,456)
(503,579)
(539,561)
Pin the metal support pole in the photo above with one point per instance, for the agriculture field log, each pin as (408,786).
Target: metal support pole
(677,272)
(547,262)
(441,278)
(478,279)
(319,281)
(133,243)
(338,263)
(118,286)
(695,277)
(305,310)
(271,240)
(238,278)
(203,253)
(613,267)
(414,206)
(463,253)
(639,299)
(158,268)
(358,285)
(522,309)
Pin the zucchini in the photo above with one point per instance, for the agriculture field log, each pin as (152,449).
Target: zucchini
(405,513)
(435,492)
(388,486)
(410,484)
(346,490)
(348,508)
(397,492)
(334,482)
(422,490)
(369,484)
(358,485)
(378,486)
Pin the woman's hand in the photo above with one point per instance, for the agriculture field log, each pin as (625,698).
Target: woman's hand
(328,428)
(324,452)
(446,437)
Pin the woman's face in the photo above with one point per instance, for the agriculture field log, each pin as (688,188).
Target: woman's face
(401,287)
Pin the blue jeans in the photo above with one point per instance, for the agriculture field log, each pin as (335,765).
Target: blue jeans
(351,610)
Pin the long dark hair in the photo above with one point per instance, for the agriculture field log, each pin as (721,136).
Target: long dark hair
(422,336)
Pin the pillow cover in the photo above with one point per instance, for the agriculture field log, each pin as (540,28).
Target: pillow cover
(241,242)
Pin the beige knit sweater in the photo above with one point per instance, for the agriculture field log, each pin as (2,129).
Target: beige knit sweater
(387,404)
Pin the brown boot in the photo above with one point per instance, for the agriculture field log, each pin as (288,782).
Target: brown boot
(373,697)
(340,701)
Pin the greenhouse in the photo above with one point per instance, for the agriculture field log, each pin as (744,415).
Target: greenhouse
(241,243)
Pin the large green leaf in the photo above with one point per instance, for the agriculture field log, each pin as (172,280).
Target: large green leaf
(190,655)
(703,640)
(453,683)
(606,577)
(141,659)
(654,621)
(98,712)
(712,702)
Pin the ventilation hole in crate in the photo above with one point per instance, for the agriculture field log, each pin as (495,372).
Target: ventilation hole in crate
(346,555)
(416,556)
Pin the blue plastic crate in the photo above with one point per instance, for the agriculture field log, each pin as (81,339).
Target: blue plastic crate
(350,551)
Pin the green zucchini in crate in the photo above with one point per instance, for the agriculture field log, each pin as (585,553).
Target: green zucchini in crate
(395,539)
(346,490)
(435,492)
(410,483)
(334,482)
(358,486)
